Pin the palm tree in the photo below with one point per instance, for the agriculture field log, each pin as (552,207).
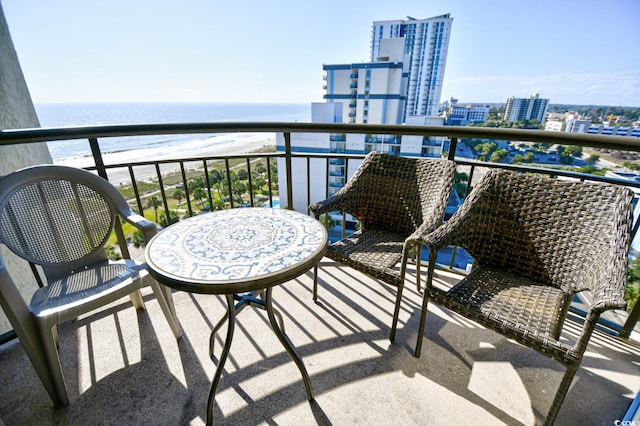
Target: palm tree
(199,195)
(178,194)
(154,202)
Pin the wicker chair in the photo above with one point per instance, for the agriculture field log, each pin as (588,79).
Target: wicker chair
(60,219)
(535,242)
(391,197)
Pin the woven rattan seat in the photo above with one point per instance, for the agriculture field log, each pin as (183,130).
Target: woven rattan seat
(391,197)
(536,242)
(60,219)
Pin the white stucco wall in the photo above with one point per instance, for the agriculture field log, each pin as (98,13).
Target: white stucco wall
(17,112)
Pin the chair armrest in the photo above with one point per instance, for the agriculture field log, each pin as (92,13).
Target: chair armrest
(608,287)
(148,228)
(449,233)
(337,202)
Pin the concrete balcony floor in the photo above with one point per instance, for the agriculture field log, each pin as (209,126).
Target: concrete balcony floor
(124,367)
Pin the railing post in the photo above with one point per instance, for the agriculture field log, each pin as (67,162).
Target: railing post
(97,158)
(287,160)
(453,145)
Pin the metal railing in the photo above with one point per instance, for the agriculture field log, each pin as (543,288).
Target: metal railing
(93,135)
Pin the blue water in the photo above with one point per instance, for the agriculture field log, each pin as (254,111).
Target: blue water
(78,114)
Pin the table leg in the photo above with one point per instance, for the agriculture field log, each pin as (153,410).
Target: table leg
(231,320)
(244,300)
(287,344)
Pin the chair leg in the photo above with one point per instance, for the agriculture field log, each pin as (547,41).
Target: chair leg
(136,299)
(423,316)
(168,309)
(49,347)
(315,283)
(418,264)
(560,395)
(396,313)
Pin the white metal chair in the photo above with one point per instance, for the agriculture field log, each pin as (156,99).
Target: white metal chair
(60,219)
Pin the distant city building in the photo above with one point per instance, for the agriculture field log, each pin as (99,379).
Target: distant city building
(573,124)
(603,129)
(520,109)
(576,125)
(554,125)
(426,42)
(461,115)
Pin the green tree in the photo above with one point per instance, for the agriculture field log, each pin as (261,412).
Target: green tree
(566,158)
(218,204)
(215,176)
(112,253)
(199,195)
(260,168)
(593,158)
(137,240)
(573,150)
(499,155)
(197,182)
(529,157)
(461,181)
(173,218)
(517,159)
(178,194)
(154,203)
(486,149)
(243,174)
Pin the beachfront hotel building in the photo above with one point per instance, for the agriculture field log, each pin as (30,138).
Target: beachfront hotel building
(401,84)
(426,43)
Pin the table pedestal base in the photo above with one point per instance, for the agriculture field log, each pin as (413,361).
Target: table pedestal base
(232,309)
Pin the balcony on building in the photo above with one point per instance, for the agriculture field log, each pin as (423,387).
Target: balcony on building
(124,367)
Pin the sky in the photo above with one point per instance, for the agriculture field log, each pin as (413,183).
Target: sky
(572,52)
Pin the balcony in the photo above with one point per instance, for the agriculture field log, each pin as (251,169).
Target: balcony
(124,366)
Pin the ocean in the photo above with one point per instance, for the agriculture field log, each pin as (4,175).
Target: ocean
(77,114)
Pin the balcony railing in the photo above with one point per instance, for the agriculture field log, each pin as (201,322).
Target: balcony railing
(225,164)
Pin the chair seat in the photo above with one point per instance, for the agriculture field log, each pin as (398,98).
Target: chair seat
(373,251)
(508,301)
(81,292)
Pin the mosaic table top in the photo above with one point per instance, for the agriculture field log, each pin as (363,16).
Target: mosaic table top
(237,250)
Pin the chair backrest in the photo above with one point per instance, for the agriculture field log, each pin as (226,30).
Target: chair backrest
(554,231)
(58,217)
(400,193)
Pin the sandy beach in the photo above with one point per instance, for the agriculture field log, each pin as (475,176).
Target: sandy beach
(219,145)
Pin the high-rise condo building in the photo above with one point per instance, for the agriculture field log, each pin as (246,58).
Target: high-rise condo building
(520,109)
(426,42)
(375,92)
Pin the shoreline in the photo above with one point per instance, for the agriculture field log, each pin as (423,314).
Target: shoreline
(120,176)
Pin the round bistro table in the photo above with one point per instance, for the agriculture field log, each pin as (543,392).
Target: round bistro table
(242,254)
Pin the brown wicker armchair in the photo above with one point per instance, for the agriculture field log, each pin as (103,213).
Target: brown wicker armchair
(391,197)
(536,242)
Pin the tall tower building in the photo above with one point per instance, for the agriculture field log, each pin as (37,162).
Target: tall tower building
(426,42)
